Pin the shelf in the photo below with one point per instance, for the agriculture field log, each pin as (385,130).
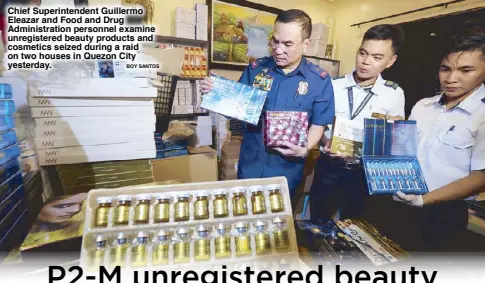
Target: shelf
(181,78)
(180,41)
(187,116)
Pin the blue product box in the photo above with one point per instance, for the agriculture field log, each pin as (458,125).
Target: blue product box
(9,169)
(389,158)
(11,201)
(5,91)
(10,185)
(9,153)
(235,100)
(7,139)
(170,145)
(7,107)
(6,123)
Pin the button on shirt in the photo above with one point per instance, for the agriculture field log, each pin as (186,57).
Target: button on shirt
(309,89)
(451,143)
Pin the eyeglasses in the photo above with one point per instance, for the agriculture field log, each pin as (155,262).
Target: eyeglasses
(273,44)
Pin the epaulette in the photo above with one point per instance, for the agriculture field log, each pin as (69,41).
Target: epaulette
(317,70)
(338,78)
(391,84)
(258,62)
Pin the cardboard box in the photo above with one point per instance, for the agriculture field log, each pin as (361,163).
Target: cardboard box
(185,16)
(201,31)
(184,31)
(202,13)
(199,166)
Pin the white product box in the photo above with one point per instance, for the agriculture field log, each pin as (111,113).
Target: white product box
(96,102)
(106,156)
(185,16)
(44,112)
(83,122)
(95,129)
(93,90)
(184,31)
(201,31)
(93,139)
(97,149)
(203,132)
(202,13)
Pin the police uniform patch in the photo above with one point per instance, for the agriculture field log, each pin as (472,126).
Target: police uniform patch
(303,88)
(258,62)
(317,70)
(263,81)
(391,84)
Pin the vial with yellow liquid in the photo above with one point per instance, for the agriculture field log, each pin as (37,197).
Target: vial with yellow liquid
(222,242)
(276,198)
(119,250)
(122,211)
(201,206)
(257,200)
(181,247)
(243,240)
(280,234)
(261,237)
(102,211)
(142,209)
(239,202)
(202,245)
(182,208)
(162,209)
(161,247)
(221,208)
(139,251)
(98,254)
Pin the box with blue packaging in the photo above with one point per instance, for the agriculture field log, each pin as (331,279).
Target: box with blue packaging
(235,100)
(389,158)
(7,138)
(5,91)
(6,123)
(9,153)
(7,107)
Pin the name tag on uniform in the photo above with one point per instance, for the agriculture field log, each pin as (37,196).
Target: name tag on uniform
(263,82)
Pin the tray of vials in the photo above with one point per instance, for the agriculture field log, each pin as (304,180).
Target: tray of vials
(182,224)
(386,176)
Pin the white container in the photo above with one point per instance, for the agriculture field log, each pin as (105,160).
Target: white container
(202,13)
(185,16)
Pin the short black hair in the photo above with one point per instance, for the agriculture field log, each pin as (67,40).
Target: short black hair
(386,32)
(297,16)
(470,37)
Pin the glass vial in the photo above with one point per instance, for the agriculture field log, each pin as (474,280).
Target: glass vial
(181,248)
(142,209)
(162,209)
(243,240)
(220,204)
(280,234)
(263,244)
(139,250)
(182,208)
(239,202)
(276,198)
(202,244)
(222,242)
(161,247)
(102,211)
(98,255)
(122,210)
(201,206)
(257,200)
(119,250)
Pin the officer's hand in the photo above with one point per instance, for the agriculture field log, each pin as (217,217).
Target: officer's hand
(413,200)
(206,85)
(293,150)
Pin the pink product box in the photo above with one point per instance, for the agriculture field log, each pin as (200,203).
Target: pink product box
(281,126)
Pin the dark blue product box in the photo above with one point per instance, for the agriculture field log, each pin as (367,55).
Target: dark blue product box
(7,107)
(5,91)
(6,123)
(9,186)
(9,153)
(9,169)
(11,201)
(389,158)
(171,153)
(170,145)
(14,228)
(7,139)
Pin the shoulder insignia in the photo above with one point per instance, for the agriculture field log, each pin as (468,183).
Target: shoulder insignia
(258,62)
(391,84)
(317,70)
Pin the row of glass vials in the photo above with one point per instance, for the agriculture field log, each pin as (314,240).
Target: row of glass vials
(185,245)
(394,176)
(164,210)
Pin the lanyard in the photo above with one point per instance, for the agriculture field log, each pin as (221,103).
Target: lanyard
(361,106)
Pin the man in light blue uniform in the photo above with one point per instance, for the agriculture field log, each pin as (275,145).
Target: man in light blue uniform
(293,84)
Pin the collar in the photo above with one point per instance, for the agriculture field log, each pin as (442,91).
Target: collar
(301,69)
(469,105)
(376,89)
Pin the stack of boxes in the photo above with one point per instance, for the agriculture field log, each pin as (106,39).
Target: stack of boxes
(319,40)
(198,98)
(220,131)
(202,19)
(229,159)
(167,149)
(190,23)
(183,98)
(12,203)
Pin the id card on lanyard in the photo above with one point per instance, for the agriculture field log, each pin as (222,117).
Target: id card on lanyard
(361,106)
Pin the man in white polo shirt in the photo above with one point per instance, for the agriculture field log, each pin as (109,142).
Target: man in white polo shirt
(338,182)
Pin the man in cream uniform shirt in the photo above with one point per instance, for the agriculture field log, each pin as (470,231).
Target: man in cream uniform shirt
(339,183)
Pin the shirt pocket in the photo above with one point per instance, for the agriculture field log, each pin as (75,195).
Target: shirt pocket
(454,148)
(300,102)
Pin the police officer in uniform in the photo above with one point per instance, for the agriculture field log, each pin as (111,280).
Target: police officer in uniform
(451,148)
(293,84)
(339,182)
